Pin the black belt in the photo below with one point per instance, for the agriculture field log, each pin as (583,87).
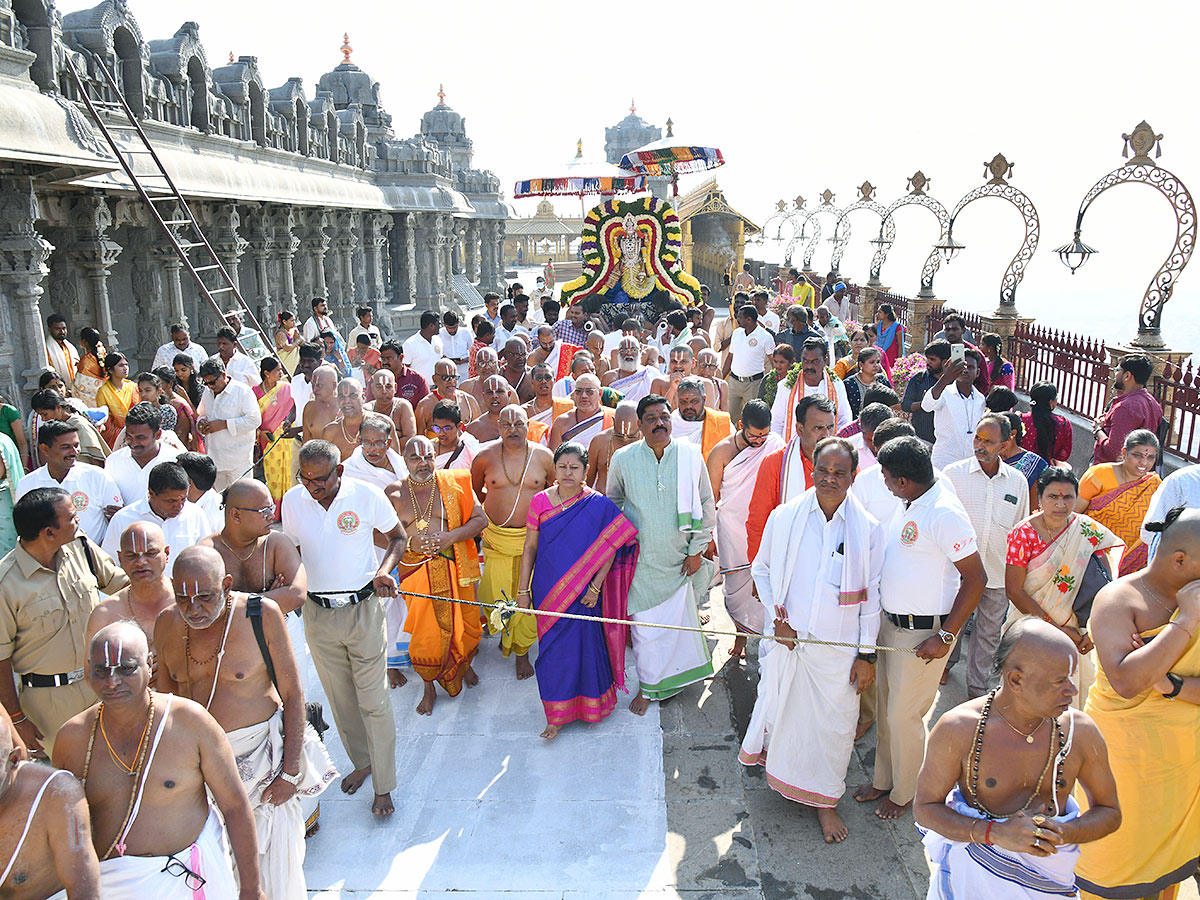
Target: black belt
(60,680)
(340,599)
(916,623)
(747,377)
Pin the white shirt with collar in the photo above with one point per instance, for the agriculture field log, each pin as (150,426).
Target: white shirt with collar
(922,543)
(210,504)
(421,355)
(873,494)
(337,544)
(995,505)
(457,346)
(503,336)
(131,478)
(751,352)
(165,355)
(242,368)
(866,458)
(91,489)
(954,420)
(1180,488)
(371,331)
(185,530)
(232,447)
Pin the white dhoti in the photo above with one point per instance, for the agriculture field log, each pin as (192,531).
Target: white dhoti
(396,611)
(668,660)
(258,750)
(311,684)
(142,877)
(635,386)
(798,688)
(978,870)
(737,487)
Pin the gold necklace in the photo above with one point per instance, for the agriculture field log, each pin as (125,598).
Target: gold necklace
(1153,596)
(421,522)
(1028,737)
(504,464)
(234,552)
(187,641)
(349,440)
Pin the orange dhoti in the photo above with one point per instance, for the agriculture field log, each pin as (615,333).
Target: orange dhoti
(444,634)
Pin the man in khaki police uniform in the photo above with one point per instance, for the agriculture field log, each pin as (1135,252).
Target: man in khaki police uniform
(48,588)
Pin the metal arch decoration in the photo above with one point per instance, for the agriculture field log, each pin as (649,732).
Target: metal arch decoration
(841,231)
(997,186)
(826,206)
(916,196)
(1141,168)
(781,214)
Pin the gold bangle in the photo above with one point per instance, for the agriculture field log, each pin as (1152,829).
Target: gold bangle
(592,587)
(971,832)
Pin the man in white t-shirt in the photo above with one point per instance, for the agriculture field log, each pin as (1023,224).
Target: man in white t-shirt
(424,348)
(332,520)
(956,405)
(144,448)
(767,319)
(91,488)
(166,505)
(365,316)
(932,580)
(750,350)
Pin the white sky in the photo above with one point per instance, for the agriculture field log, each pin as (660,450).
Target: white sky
(801,97)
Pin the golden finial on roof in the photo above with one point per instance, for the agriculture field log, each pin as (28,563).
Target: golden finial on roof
(346,49)
(579,149)
(670,128)
(231,59)
(632,107)
(441,95)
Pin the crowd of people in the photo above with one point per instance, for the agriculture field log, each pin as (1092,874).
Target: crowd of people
(570,485)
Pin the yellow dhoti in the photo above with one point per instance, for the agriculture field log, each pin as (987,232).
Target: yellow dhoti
(502,549)
(1152,750)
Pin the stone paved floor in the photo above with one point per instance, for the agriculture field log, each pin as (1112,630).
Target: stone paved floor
(656,808)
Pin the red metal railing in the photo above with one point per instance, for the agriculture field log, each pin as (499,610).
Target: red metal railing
(1078,366)
(937,315)
(899,306)
(1179,393)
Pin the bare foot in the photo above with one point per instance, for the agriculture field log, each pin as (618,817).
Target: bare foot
(396,678)
(524,668)
(355,779)
(865,793)
(863,728)
(738,650)
(832,826)
(425,707)
(383,805)
(945,677)
(470,679)
(639,704)
(551,732)
(889,810)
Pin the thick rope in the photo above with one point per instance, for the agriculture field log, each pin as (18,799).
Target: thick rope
(508,609)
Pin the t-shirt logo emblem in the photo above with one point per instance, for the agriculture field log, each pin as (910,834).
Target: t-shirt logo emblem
(79,500)
(908,534)
(347,522)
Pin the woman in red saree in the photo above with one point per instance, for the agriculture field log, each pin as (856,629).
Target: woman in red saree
(579,558)
(1117,495)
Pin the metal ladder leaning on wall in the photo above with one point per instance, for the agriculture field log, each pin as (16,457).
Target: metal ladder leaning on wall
(189,236)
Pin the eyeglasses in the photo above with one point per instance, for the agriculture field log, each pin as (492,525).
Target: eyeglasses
(543,377)
(374,445)
(441,429)
(266,512)
(451,377)
(209,382)
(319,479)
(193,881)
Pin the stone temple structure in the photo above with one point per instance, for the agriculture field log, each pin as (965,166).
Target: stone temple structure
(630,133)
(300,195)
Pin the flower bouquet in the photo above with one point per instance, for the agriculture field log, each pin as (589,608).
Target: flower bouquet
(905,368)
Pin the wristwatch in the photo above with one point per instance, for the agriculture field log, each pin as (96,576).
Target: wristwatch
(868,657)
(946,637)
(293,780)
(1176,685)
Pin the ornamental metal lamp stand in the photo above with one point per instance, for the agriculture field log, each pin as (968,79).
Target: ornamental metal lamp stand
(1141,168)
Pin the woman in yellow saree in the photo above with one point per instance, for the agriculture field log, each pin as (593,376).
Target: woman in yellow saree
(278,409)
(1117,495)
(89,374)
(117,393)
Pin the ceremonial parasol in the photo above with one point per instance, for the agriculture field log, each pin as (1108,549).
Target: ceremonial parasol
(672,157)
(580,177)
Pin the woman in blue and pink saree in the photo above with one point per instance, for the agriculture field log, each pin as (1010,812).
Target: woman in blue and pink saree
(579,557)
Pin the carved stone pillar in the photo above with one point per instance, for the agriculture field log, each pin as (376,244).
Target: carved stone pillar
(229,246)
(447,240)
(428,266)
(347,232)
(94,254)
(146,279)
(486,251)
(375,238)
(23,255)
(258,234)
(457,264)
(284,244)
(314,244)
(471,251)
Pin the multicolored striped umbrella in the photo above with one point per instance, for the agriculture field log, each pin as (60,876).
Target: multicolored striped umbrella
(668,157)
(578,186)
